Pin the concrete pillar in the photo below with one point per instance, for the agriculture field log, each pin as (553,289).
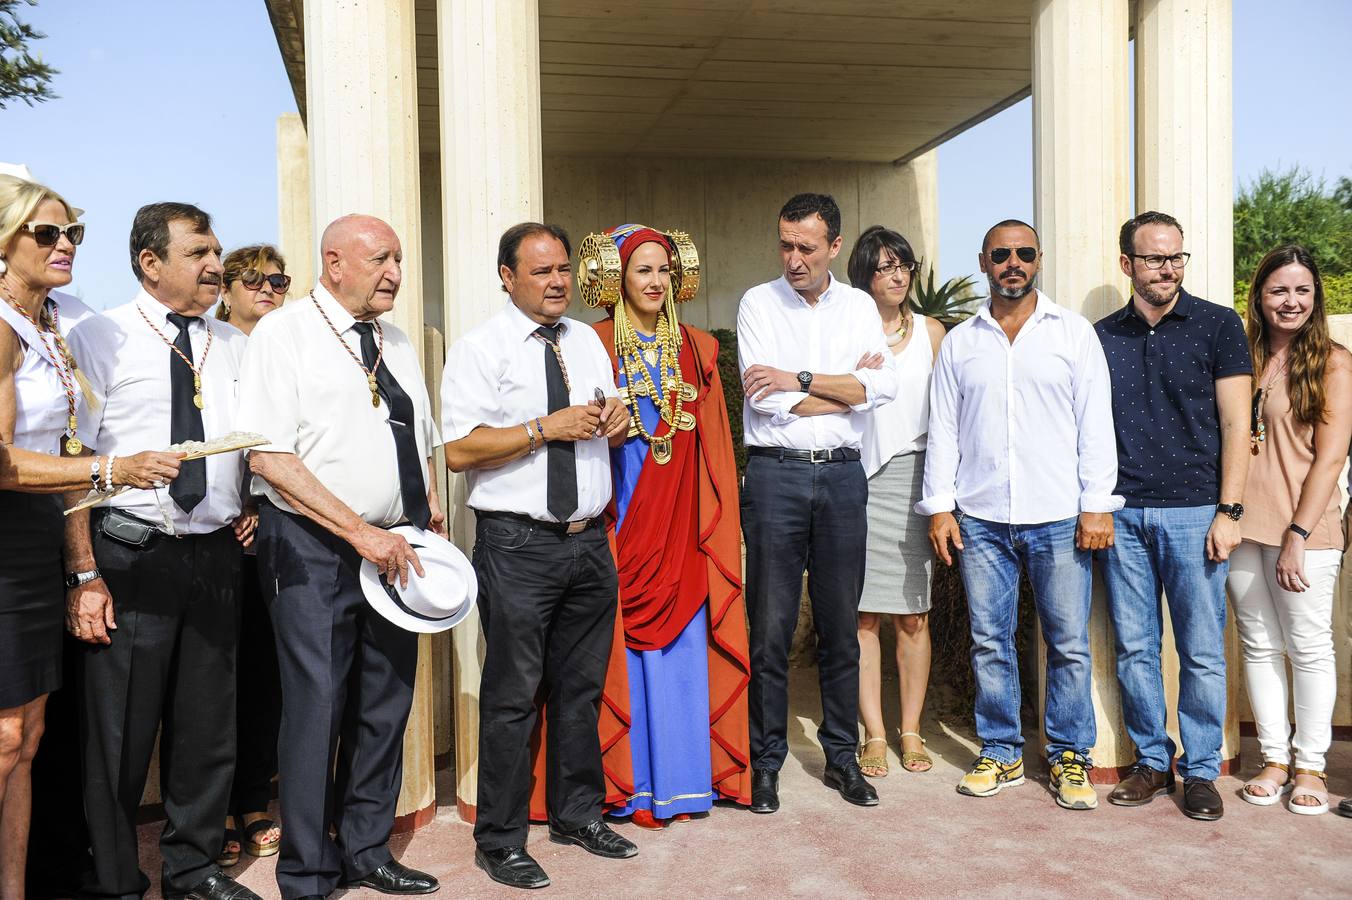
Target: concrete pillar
(1080,164)
(489,84)
(918,217)
(295,228)
(1185,167)
(362,106)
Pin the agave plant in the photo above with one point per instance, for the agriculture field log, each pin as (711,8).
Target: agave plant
(950,302)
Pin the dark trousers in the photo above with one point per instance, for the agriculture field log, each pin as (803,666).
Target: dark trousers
(259,701)
(58,842)
(548,602)
(795,515)
(347,686)
(170,667)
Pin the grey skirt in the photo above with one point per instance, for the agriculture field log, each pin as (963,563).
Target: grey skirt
(900,560)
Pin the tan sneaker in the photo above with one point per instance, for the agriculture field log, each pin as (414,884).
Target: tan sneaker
(988,777)
(1070,778)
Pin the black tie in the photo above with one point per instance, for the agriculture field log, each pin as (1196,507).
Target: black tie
(561,490)
(412,485)
(185,419)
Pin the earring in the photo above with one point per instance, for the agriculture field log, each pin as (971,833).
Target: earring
(3,266)
(225,305)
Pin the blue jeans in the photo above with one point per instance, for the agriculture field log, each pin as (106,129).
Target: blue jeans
(1061,582)
(1165,550)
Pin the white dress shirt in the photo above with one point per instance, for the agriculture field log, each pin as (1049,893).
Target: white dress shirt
(305,393)
(127,364)
(900,426)
(40,397)
(495,376)
(776,327)
(1022,433)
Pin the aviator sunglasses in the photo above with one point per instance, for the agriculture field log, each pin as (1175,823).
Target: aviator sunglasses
(253,280)
(47,234)
(1000,254)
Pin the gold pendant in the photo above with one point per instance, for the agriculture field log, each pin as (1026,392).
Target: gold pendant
(650,356)
(197,401)
(73,446)
(661,448)
(686,420)
(375,389)
(688,392)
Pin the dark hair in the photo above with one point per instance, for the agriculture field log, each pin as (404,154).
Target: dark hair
(1311,348)
(511,239)
(150,229)
(1009,223)
(802,206)
(1126,238)
(868,251)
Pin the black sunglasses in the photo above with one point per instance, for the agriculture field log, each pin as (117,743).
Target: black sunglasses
(47,234)
(1000,254)
(253,280)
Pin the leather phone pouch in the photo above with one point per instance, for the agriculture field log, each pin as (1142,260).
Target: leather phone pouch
(127,529)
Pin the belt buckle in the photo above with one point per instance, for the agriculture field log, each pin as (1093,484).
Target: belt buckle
(813,458)
(579,526)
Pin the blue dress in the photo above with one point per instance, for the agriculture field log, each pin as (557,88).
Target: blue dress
(668,688)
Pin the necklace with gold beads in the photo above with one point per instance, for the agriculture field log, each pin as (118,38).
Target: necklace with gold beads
(663,354)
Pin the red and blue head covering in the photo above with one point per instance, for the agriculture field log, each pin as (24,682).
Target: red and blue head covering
(629,238)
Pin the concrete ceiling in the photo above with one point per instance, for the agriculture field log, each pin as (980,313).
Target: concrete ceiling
(872,80)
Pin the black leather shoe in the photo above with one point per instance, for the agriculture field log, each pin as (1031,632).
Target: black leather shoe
(1344,808)
(511,866)
(764,791)
(595,838)
(216,886)
(396,878)
(1201,800)
(851,783)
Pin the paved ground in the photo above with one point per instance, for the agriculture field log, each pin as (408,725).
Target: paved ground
(923,840)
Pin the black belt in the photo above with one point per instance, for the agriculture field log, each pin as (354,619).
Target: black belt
(840,454)
(575,527)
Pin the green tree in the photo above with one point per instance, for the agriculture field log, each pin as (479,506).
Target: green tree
(1291,207)
(1343,192)
(22,75)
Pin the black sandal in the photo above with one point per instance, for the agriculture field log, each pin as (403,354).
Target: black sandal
(228,859)
(251,844)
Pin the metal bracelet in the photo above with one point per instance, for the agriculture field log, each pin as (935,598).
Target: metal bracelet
(530,436)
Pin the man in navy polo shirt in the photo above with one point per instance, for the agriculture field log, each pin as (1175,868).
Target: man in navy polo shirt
(1181,371)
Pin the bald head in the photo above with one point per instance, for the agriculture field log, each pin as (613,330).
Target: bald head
(362,264)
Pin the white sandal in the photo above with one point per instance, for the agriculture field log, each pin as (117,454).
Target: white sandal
(1274,790)
(1322,795)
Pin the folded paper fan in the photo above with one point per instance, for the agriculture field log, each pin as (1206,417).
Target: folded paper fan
(226,443)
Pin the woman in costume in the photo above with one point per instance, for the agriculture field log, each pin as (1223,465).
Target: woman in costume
(43,403)
(900,561)
(1284,573)
(254,283)
(677,531)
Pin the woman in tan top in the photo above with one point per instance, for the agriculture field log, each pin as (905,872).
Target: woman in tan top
(1283,574)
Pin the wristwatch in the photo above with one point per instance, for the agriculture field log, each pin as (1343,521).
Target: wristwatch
(805,381)
(1233,510)
(76,579)
(1298,530)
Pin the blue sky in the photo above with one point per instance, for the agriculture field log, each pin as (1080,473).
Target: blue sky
(179,100)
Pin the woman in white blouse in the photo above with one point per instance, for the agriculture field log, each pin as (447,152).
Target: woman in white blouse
(900,560)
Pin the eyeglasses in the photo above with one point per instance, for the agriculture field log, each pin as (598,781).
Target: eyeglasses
(887,270)
(1178,260)
(1000,254)
(253,280)
(47,233)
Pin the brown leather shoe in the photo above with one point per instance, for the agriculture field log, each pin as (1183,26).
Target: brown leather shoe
(1142,785)
(1201,800)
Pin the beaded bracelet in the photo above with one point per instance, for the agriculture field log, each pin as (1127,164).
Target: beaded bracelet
(540,428)
(530,436)
(108,474)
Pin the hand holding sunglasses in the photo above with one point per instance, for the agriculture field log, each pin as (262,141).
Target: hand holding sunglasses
(253,280)
(48,233)
(1000,254)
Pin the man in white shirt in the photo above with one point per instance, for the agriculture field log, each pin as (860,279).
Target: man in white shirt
(814,361)
(529,413)
(166,610)
(340,396)
(1022,449)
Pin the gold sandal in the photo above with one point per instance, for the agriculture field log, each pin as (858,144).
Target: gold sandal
(911,756)
(874,762)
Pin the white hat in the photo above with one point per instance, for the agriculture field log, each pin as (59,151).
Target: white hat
(23,173)
(434,602)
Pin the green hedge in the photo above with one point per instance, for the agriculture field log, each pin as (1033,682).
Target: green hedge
(1337,294)
(732,389)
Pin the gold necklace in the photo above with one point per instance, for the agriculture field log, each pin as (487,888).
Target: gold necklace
(631,354)
(1258,434)
(196,369)
(899,335)
(60,357)
(380,351)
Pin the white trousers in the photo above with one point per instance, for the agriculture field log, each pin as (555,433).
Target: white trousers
(1275,626)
